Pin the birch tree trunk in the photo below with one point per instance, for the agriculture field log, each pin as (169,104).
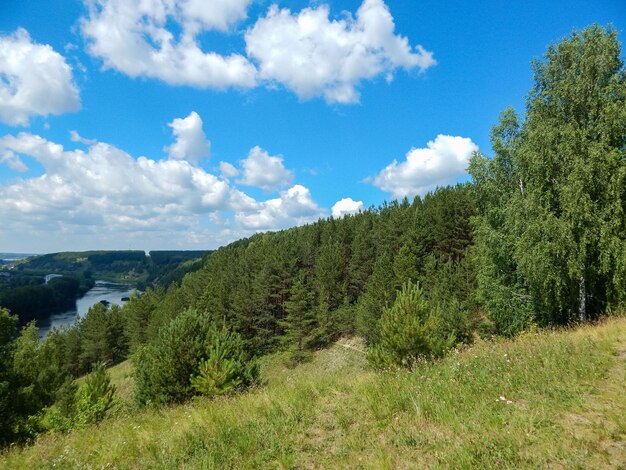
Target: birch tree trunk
(582,298)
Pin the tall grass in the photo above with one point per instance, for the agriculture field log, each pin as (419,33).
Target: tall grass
(515,404)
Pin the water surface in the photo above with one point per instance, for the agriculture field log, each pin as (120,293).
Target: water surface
(111,292)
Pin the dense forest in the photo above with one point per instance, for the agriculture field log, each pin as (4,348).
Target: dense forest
(537,239)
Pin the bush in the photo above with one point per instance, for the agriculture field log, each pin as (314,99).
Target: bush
(61,416)
(94,397)
(165,367)
(411,329)
(79,406)
(510,308)
(226,368)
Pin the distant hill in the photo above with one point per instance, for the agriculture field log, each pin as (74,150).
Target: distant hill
(11,258)
(133,267)
(24,292)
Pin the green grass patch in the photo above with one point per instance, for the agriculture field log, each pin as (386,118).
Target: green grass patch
(544,399)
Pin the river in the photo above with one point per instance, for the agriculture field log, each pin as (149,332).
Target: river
(108,291)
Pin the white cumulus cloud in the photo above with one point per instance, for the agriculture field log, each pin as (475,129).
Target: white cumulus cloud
(102,196)
(264,171)
(442,162)
(295,206)
(228,170)
(107,181)
(135,37)
(35,80)
(191,142)
(346,206)
(76,137)
(308,52)
(216,14)
(313,55)
(13,161)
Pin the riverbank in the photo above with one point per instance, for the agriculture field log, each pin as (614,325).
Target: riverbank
(35,297)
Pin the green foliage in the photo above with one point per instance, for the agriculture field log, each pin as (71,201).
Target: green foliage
(379,294)
(412,329)
(363,255)
(563,406)
(95,397)
(103,336)
(405,266)
(65,397)
(38,368)
(164,307)
(301,321)
(30,374)
(552,229)
(442,223)
(170,258)
(53,419)
(352,267)
(8,412)
(164,368)
(25,294)
(139,313)
(31,302)
(226,367)
(329,274)
(68,344)
(299,289)
(78,406)
(539,238)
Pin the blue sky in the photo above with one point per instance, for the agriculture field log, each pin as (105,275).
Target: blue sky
(191,123)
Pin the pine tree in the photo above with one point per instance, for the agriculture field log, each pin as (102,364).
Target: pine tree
(363,256)
(103,337)
(329,274)
(226,367)
(139,312)
(405,267)
(379,293)
(165,367)
(408,330)
(301,321)
(9,410)
(94,397)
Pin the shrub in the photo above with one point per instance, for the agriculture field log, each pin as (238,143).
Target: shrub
(226,368)
(164,368)
(411,329)
(94,397)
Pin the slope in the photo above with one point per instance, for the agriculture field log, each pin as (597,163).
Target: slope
(547,398)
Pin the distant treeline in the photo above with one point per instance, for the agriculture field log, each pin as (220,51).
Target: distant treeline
(131,266)
(165,258)
(23,292)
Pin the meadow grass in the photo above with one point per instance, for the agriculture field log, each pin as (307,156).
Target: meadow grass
(548,398)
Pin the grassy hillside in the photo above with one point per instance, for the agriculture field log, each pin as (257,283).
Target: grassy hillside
(548,398)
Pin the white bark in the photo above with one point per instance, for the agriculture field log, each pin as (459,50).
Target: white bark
(582,298)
